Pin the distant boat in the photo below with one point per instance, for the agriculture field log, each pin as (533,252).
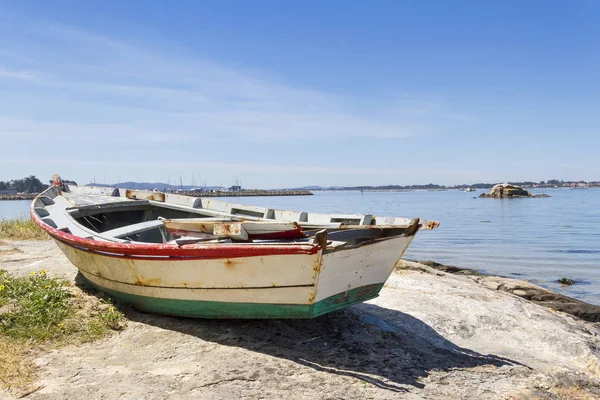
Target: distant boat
(470,190)
(199,257)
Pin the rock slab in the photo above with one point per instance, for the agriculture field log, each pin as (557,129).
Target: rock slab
(430,335)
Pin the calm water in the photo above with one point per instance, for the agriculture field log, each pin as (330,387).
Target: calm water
(14,209)
(539,240)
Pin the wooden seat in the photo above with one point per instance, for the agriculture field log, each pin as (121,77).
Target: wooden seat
(133,229)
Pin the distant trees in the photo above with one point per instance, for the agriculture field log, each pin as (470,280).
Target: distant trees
(482,185)
(30,184)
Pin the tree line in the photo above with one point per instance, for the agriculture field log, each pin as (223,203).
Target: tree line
(30,184)
(431,186)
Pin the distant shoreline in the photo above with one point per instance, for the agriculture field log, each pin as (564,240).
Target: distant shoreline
(436,190)
(241,193)
(295,192)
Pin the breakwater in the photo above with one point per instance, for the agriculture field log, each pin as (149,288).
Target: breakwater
(239,193)
(246,193)
(18,196)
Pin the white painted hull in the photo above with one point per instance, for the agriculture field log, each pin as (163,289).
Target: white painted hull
(278,279)
(353,268)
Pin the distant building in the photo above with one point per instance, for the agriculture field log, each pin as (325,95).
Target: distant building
(8,191)
(235,188)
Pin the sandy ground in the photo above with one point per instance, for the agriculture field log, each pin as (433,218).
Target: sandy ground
(430,335)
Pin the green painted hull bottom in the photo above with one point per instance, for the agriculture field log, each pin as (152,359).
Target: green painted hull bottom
(220,309)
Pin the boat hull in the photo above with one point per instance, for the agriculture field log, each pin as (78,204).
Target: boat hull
(233,261)
(277,286)
(235,309)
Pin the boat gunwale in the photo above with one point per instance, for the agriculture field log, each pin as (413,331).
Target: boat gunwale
(186,251)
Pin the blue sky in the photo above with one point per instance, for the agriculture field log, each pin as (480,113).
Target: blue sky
(281,94)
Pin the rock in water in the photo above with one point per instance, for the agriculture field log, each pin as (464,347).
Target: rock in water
(507,191)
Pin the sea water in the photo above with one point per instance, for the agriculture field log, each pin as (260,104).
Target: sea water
(14,209)
(539,240)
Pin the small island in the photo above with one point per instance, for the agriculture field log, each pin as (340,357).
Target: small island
(508,191)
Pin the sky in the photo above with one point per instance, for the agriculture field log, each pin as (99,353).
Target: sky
(292,93)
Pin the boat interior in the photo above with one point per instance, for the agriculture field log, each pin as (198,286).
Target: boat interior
(110,214)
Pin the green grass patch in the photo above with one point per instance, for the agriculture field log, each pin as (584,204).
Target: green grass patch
(37,312)
(21,229)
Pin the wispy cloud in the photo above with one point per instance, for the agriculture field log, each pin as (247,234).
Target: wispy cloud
(270,169)
(6,73)
(195,92)
(94,93)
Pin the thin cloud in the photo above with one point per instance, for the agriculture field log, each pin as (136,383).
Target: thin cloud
(137,102)
(7,73)
(273,169)
(200,93)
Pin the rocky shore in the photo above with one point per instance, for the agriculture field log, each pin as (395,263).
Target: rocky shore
(429,335)
(526,290)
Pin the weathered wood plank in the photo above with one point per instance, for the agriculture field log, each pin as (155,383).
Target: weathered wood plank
(233,230)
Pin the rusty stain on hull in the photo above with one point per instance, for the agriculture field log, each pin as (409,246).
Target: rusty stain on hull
(317,266)
(143,281)
(229,263)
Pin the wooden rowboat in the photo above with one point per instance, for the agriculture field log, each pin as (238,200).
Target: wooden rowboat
(199,257)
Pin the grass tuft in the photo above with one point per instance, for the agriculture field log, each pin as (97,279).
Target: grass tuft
(21,229)
(37,311)
(17,372)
